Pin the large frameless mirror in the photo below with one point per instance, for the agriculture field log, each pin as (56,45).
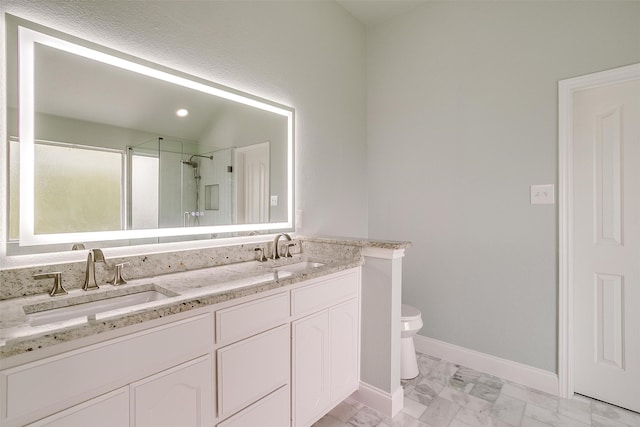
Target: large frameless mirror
(108,148)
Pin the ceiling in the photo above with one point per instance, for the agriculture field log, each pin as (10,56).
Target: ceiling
(374,12)
(72,86)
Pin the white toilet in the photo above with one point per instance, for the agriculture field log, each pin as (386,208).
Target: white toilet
(411,323)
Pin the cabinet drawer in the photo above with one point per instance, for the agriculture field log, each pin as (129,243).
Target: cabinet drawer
(109,410)
(322,294)
(251,369)
(272,411)
(243,320)
(58,382)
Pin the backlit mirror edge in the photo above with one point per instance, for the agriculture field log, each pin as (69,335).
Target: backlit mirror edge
(31,239)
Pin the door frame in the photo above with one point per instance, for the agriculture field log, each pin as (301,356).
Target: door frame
(566,89)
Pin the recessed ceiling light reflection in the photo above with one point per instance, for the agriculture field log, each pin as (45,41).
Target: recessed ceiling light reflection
(182,112)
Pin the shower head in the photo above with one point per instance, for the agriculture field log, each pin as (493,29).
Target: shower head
(193,163)
(190,163)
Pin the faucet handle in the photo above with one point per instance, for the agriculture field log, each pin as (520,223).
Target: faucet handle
(57,288)
(287,250)
(117,276)
(261,256)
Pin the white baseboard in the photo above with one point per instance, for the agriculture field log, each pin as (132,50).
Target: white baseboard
(389,404)
(529,376)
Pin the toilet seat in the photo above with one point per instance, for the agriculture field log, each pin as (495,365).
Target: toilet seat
(409,313)
(410,321)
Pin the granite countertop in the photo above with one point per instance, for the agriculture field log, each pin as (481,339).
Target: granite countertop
(356,241)
(186,291)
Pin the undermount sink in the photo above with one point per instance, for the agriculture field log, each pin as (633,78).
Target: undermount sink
(91,309)
(299,266)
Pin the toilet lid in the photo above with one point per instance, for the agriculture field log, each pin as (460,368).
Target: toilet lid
(409,312)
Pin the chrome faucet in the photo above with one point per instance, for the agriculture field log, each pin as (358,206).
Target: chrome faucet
(275,244)
(95,255)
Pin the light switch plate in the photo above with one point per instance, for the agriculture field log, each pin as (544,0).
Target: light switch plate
(542,194)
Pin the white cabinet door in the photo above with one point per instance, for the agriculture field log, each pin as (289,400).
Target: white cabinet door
(109,410)
(345,341)
(311,393)
(45,386)
(180,396)
(250,369)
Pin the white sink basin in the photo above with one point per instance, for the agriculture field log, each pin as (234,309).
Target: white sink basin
(92,308)
(299,266)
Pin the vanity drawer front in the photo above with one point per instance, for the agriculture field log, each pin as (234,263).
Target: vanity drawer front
(250,369)
(111,409)
(54,383)
(272,410)
(243,320)
(324,293)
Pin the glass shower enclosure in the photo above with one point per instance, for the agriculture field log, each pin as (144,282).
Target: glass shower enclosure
(174,183)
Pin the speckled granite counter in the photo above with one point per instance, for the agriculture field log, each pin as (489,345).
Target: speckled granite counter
(186,290)
(357,242)
(191,279)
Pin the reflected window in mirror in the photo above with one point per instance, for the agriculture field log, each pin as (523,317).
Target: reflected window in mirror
(77,188)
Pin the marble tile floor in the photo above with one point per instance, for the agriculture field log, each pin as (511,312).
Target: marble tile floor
(449,395)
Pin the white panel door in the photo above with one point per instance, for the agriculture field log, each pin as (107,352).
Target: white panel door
(252,187)
(180,396)
(109,410)
(606,218)
(345,342)
(311,375)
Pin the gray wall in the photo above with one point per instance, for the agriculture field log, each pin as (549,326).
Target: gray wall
(307,55)
(462,118)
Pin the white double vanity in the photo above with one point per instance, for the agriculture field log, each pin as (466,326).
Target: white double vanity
(291,351)
(241,344)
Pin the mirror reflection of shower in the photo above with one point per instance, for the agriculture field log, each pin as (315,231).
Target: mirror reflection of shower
(178,183)
(192,216)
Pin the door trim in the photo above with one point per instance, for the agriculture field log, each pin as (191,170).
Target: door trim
(566,89)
